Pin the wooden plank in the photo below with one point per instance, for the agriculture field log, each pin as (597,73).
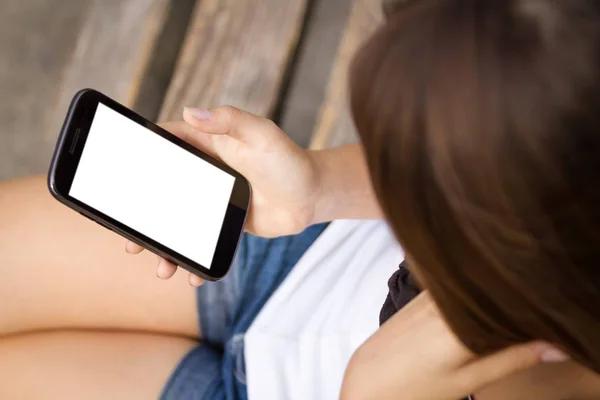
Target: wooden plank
(114,49)
(159,72)
(335,126)
(37,38)
(321,38)
(236,53)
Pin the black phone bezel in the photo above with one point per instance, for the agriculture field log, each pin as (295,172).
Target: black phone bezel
(66,158)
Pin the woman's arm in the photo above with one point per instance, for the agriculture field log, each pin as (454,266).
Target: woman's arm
(345,187)
(415,355)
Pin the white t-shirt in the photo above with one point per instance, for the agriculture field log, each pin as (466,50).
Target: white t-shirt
(300,343)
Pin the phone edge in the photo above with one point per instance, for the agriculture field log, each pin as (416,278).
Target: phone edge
(107,225)
(60,144)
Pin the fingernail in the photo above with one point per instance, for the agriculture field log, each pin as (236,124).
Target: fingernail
(160,269)
(553,355)
(160,272)
(198,113)
(195,281)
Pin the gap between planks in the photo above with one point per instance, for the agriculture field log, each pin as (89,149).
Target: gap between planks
(335,126)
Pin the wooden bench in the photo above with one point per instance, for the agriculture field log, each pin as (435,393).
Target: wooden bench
(30,69)
(335,126)
(236,52)
(158,56)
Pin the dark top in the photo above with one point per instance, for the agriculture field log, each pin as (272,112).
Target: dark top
(403,288)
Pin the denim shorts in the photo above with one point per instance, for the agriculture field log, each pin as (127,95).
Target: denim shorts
(215,369)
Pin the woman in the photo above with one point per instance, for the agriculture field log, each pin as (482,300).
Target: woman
(479,123)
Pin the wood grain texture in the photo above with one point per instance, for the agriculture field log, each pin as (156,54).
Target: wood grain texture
(236,52)
(321,38)
(113,51)
(36,40)
(335,126)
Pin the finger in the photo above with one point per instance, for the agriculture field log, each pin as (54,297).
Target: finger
(177,128)
(230,121)
(506,362)
(201,140)
(195,280)
(165,269)
(133,248)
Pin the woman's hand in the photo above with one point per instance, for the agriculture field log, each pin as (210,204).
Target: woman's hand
(415,356)
(284,178)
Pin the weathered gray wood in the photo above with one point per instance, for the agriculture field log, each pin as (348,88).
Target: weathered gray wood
(36,40)
(335,126)
(236,53)
(155,83)
(113,51)
(321,38)
(49,50)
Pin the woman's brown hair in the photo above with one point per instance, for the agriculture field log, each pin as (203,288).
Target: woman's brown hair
(480,121)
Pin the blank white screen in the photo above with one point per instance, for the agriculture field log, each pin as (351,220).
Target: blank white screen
(153,186)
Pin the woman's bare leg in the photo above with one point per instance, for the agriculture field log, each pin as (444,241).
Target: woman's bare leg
(59,270)
(88,365)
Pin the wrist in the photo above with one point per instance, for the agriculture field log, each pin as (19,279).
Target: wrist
(324,195)
(344,189)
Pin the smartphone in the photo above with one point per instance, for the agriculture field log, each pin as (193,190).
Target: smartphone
(131,176)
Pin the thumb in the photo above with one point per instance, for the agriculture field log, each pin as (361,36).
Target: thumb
(230,121)
(506,362)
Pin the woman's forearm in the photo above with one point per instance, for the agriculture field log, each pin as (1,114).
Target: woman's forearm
(345,187)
